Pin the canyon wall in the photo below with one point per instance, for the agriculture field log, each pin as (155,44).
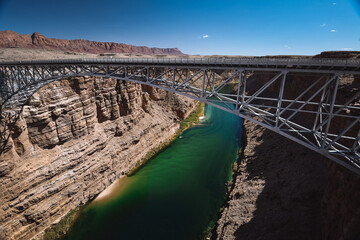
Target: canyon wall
(11,39)
(283,190)
(277,192)
(74,138)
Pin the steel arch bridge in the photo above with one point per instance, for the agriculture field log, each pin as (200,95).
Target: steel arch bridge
(314,102)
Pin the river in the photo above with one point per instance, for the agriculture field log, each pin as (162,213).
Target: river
(177,195)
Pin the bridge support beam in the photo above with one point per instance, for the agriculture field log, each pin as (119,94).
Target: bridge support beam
(298,101)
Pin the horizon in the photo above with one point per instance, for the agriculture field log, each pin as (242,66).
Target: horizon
(234,28)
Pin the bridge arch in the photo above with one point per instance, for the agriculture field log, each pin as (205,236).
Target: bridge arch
(310,115)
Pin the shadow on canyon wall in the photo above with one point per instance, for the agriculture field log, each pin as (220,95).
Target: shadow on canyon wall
(289,206)
(305,195)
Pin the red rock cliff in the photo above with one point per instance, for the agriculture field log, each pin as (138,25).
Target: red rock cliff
(11,39)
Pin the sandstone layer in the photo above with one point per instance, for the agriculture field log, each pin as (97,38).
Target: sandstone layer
(11,39)
(74,138)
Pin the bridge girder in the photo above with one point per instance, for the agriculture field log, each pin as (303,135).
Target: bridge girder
(311,114)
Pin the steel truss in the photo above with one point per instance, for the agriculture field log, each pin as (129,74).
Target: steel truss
(311,114)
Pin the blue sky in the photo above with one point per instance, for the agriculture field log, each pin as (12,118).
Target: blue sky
(233,27)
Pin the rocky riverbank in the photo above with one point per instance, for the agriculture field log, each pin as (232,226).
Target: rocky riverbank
(76,137)
(277,193)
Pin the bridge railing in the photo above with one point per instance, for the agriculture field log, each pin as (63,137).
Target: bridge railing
(229,61)
(202,61)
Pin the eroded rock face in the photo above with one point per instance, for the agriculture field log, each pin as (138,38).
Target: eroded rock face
(10,39)
(74,138)
(277,193)
(340,205)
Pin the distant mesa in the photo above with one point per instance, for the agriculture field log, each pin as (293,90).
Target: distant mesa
(11,39)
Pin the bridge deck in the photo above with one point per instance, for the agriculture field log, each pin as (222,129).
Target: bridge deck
(266,63)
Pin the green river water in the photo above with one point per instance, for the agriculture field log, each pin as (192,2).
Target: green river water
(177,195)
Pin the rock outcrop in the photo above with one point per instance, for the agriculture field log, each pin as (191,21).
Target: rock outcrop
(74,138)
(11,39)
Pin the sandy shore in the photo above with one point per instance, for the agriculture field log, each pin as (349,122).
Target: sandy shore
(107,191)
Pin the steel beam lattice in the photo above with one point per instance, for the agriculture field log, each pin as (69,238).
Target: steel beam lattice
(305,100)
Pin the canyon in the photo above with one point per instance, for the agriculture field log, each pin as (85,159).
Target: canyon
(77,136)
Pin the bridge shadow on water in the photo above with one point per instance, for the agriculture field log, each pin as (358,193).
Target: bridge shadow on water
(289,205)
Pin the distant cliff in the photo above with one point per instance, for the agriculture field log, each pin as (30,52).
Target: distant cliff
(11,39)
(339,54)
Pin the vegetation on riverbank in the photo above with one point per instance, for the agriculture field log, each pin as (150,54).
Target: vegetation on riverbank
(59,230)
(185,124)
